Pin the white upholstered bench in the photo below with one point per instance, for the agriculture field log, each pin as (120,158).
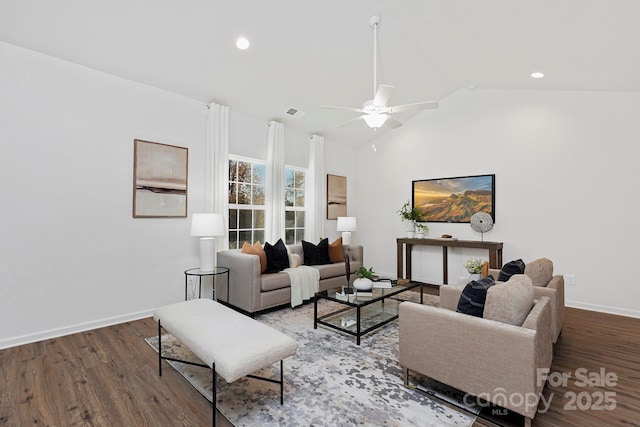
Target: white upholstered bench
(231,344)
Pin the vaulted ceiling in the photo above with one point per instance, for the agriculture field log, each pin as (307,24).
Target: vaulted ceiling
(307,54)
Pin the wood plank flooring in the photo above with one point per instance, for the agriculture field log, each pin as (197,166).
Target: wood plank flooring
(109,377)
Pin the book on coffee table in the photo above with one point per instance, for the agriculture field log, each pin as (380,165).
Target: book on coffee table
(384,283)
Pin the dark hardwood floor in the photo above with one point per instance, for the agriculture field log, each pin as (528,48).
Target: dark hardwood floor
(108,377)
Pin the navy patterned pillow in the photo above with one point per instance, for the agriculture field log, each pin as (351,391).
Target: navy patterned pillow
(474,296)
(511,268)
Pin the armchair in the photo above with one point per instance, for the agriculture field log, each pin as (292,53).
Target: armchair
(498,362)
(545,284)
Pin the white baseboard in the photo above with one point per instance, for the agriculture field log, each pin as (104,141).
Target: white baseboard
(604,309)
(54,333)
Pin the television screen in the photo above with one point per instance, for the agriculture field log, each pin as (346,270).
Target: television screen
(454,199)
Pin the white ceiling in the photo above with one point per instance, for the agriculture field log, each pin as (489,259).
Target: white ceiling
(305,54)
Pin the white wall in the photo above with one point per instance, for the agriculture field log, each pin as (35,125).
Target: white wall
(73,258)
(566,182)
(72,255)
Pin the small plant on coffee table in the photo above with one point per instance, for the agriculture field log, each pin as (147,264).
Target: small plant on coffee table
(365,273)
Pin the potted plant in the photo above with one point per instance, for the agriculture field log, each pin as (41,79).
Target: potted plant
(474,268)
(412,215)
(364,282)
(421,229)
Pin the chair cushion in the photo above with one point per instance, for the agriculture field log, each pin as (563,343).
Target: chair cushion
(277,256)
(510,302)
(511,268)
(316,254)
(256,249)
(540,271)
(472,298)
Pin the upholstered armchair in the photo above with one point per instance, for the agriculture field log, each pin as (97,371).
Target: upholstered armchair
(545,283)
(497,362)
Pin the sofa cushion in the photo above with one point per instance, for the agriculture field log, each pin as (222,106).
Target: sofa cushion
(540,271)
(511,268)
(472,298)
(510,302)
(277,256)
(316,254)
(256,249)
(335,251)
(273,281)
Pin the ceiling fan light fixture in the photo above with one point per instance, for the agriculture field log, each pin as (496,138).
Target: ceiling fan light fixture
(375,120)
(242,43)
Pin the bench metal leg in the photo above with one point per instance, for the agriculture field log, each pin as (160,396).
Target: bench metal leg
(159,350)
(213,392)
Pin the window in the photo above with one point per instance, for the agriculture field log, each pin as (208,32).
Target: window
(247,179)
(294,205)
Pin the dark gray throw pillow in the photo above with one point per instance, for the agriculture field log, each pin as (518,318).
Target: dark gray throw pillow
(474,296)
(316,254)
(511,268)
(277,256)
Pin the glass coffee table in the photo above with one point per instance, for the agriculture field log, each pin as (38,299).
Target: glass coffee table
(358,315)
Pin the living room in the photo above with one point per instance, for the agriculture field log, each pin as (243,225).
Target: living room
(74,258)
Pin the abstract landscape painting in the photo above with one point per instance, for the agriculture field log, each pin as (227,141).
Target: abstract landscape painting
(454,199)
(160,180)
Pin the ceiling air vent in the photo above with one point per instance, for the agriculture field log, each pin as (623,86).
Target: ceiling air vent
(294,112)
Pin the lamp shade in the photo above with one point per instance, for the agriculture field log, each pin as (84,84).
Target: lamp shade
(346,223)
(207,225)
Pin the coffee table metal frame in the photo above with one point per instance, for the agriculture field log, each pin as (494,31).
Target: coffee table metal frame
(360,304)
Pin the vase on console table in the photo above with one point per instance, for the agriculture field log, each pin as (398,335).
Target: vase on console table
(474,276)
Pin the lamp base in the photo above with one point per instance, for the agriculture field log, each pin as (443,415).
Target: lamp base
(207,254)
(346,237)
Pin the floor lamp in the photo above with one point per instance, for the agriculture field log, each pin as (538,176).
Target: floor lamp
(207,227)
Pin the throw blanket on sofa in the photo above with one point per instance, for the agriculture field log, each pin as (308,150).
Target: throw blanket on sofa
(304,283)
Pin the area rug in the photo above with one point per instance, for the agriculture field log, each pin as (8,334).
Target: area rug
(331,381)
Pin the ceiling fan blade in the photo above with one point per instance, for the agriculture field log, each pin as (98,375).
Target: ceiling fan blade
(356,110)
(413,107)
(350,121)
(391,122)
(382,95)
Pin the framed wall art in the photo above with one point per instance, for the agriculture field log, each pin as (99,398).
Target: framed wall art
(336,196)
(159,180)
(455,199)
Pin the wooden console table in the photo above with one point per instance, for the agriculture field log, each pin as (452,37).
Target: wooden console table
(495,253)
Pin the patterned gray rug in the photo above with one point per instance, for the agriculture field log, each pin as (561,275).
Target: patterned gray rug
(329,382)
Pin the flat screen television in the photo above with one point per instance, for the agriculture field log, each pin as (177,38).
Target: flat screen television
(454,199)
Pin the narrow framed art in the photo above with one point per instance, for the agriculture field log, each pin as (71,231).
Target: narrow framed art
(159,180)
(336,196)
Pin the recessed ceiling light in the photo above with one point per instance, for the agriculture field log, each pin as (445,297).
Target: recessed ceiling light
(537,75)
(242,43)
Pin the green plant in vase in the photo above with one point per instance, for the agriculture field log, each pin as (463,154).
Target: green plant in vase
(364,281)
(410,214)
(474,267)
(421,229)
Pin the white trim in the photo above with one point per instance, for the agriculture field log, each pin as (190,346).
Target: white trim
(604,309)
(69,330)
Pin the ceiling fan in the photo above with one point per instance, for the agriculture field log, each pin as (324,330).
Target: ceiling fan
(375,112)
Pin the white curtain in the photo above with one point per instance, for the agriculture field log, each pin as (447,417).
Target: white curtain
(217,166)
(274,215)
(315,189)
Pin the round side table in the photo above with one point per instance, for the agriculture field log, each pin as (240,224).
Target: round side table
(196,272)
